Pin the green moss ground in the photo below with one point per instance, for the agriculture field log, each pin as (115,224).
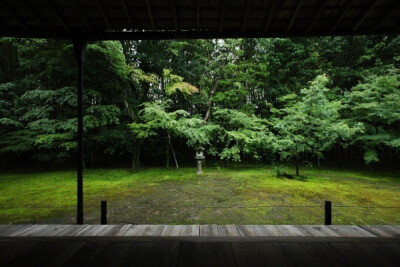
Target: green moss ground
(222,196)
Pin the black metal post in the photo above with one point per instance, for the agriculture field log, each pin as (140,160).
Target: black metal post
(328,212)
(103,212)
(80,53)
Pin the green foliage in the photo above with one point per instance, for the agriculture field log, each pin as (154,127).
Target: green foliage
(176,83)
(311,124)
(240,98)
(376,104)
(242,134)
(157,119)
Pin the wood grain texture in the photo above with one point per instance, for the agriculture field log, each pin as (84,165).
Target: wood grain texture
(383,231)
(350,231)
(208,230)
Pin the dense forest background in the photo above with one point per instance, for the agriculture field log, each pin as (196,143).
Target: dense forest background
(327,100)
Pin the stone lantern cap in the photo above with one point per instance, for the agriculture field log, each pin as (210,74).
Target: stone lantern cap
(199,153)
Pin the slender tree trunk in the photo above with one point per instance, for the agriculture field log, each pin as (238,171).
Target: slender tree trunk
(167,154)
(173,152)
(136,156)
(210,101)
(297,166)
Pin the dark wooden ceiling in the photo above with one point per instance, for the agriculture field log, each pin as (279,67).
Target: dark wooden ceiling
(163,19)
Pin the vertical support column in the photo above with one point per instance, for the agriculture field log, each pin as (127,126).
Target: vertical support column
(103,212)
(80,53)
(328,212)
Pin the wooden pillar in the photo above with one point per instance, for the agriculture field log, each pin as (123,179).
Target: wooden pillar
(80,53)
(328,212)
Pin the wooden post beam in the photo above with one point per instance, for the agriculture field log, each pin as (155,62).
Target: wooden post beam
(328,212)
(269,17)
(366,14)
(127,14)
(296,11)
(11,14)
(80,53)
(103,14)
(222,15)
(344,11)
(150,14)
(316,18)
(80,14)
(57,15)
(245,15)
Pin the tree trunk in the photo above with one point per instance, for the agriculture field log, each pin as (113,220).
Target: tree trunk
(136,156)
(209,104)
(167,154)
(297,167)
(173,152)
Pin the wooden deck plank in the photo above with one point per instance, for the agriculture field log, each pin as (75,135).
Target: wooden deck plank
(393,228)
(176,231)
(190,230)
(102,230)
(319,230)
(264,231)
(107,230)
(85,231)
(4,228)
(9,229)
(52,230)
(167,230)
(203,230)
(136,230)
(227,230)
(378,230)
(121,231)
(247,230)
(350,231)
(153,230)
(36,230)
(208,230)
(289,230)
(272,230)
(71,230)
(20,230)
(159,229)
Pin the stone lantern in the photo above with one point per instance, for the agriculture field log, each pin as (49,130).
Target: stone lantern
(199,157)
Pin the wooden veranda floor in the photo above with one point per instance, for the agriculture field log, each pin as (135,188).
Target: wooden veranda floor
(199,245)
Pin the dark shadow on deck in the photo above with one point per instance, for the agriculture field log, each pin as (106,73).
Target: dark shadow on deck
(189,251)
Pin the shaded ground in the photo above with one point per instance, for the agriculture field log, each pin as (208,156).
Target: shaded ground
(222,196)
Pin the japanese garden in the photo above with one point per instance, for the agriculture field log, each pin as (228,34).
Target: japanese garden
(203,131)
